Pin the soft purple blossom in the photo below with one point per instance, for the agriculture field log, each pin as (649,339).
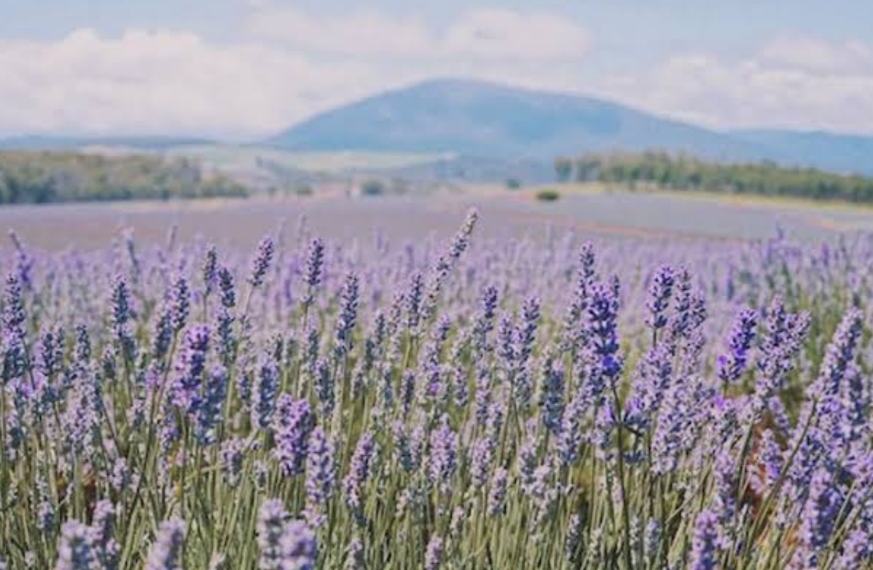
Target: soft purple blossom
(660,292)
(359,472)
(704,549)
(189,368)
(292,424)
(443,455)
(433,557)
(166,551)
(320,475)
(75,548)
(732,364)
(261,262)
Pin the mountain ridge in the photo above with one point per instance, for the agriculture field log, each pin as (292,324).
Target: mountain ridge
(477,118)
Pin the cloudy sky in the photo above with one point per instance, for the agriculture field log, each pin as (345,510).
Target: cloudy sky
(241,69)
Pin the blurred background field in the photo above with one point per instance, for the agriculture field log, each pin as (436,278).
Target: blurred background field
(586,210)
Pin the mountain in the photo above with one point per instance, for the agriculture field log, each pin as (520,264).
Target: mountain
(156,143)
(473,118)
(485,119)
(841,153)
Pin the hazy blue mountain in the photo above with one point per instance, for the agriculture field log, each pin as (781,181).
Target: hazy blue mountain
(39,142)
(474,118)
(485,119)
(843,153)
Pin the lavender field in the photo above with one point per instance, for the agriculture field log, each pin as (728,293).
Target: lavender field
(409,400)
(238,224)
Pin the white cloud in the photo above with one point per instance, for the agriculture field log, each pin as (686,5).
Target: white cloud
(817,56)
(177,82)
(792,82)
(506,34)
(482,34)
(165,82)
(362,33)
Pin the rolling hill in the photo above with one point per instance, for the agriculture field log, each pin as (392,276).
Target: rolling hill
(57,143)
(480,119)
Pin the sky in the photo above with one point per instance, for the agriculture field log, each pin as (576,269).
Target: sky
(244,69)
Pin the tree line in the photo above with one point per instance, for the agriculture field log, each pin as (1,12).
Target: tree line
(31,177)
(683,172)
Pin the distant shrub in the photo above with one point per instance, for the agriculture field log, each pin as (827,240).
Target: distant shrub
(548,195)
(303,190)
(513,183)
(652,170)
(55,176)
(373,188)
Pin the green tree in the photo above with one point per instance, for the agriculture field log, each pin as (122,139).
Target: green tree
(563,169)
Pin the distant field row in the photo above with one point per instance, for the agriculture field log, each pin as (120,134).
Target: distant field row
(585,210)
(243,157)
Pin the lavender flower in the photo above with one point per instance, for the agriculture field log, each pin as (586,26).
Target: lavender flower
(480,462)
(226,286)
(162,336)
(574,539)
(210,409)
(445,263)
(14,348)
(348,314)
(359,473)
(324,387)
(210,270)
(166,552)
(261,262)
(485,320)
(497,492)
(526,334)
(840,353)
(483,396)
(51,351)
(232,457)
(732,364)
(551,400)
(653,380)
(443,455)
(355,555)
(570,432)
(725,503)
(683,319)
(433,558)
(660,291)
(818,520)
(75,549)
(264,393)
(605,365)
(299,549)
(122,313)
(292,424)
(272,518)
(189,369)
(103,528)
(413,301)
(179,304)
(314,269)
(704,552)
(575,326)
(320,475)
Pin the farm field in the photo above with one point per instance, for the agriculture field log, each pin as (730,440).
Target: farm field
(588,210)
(234,158)
(613,380)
